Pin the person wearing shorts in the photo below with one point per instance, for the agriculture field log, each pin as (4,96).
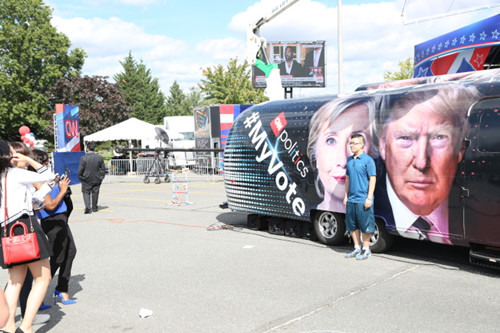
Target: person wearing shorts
(359,187)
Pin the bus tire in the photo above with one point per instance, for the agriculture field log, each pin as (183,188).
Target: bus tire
(381,240)
(329,227)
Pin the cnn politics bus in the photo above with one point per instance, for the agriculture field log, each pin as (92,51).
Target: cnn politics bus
(436,143)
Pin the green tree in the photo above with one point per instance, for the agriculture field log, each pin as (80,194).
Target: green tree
(181,104)
(230,85)
(142,92)
(101,103)
(176,100)
(193,99)
(405,71)
(33,56)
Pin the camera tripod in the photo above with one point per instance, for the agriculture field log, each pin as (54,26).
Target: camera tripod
(157,169)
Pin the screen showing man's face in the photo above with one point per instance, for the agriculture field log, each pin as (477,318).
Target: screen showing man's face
(288,54)
(420,157)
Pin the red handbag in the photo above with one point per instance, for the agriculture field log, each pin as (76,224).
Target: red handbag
(18,248)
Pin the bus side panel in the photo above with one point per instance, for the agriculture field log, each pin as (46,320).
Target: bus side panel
(266,168)
(430,185)
(482,174)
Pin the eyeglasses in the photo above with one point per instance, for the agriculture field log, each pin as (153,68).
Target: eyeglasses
(354,143)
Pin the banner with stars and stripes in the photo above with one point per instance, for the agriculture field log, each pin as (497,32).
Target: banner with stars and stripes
(463,50)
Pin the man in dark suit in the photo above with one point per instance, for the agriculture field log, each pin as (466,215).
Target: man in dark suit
(91,173)
(290,66)
(315,61)
(421,141)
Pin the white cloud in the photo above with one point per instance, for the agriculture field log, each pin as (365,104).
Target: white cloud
(374,41)
(168,48)
(222,49)
(370,34)
(240,21)
(418,10)
(374,36)
(101,37)
(108,41)
(139,3)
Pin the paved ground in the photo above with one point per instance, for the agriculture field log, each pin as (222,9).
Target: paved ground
(199,269)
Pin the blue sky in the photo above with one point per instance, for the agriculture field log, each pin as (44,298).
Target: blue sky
(176,39)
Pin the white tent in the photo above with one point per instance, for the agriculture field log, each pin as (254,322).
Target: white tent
(130,129)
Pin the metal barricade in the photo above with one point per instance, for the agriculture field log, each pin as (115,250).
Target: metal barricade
(144,164)
(118,167)
(202,165)
(206,167)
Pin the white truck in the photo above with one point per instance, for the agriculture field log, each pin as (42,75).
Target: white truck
(185,126)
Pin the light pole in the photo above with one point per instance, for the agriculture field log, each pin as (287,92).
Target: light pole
(339,46)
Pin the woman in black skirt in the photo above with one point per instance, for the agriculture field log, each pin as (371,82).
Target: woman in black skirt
(15,191)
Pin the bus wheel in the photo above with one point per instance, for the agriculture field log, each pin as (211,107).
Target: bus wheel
(381,240)
(329,228)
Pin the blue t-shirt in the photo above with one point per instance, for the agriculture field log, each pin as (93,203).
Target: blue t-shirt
(359,170)
(61,208)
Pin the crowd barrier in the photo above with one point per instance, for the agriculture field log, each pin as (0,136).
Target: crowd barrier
(203,166)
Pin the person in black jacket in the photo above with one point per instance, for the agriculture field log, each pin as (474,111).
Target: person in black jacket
(315,61)
(290,66)
(91,173)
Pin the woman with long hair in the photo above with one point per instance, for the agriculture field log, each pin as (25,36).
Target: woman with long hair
(16,200)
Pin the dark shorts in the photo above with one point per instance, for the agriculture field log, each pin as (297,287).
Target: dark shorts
(357,217)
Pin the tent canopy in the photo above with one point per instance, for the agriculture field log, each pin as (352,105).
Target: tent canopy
(130,129)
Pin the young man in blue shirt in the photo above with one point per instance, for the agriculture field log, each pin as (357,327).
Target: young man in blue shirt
(359,187)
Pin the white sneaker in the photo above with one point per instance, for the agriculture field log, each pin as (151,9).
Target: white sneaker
(40,319)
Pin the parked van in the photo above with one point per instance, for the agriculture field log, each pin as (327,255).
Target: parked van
(436,143)
(183,125)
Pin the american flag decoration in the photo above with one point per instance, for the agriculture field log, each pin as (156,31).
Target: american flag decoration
(463,50)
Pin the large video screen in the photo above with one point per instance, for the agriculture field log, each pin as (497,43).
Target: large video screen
(301,64)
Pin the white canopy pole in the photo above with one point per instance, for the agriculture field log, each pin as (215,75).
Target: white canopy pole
(130,154)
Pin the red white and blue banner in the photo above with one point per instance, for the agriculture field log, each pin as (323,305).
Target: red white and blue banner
(228,114)
(463,50)
(68,128)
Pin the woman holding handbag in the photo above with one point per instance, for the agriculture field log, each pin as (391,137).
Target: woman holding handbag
(21,148)
(16,206)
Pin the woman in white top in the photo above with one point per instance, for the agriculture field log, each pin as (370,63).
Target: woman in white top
(15,184)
